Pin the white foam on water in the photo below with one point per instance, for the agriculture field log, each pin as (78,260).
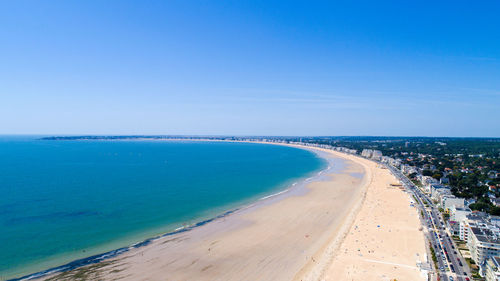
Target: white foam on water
(275,194)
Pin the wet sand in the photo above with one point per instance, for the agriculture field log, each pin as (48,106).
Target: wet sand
(312,232)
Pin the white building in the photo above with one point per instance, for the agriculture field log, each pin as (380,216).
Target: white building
(483,243)
(458,214)
(376,155)
(438,191)
(391,161)
(407,169)
(482,235)
(345,149)
(427,182)
(447,201)
(472,219)
(367,153)
(492,270)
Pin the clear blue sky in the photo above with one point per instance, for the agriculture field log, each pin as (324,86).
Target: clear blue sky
(427,68)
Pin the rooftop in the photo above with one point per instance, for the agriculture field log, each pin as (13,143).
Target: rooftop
(485,235)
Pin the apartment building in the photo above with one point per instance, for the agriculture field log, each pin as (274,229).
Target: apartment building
(492,269)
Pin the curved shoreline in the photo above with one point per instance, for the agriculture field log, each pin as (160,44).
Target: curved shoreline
(296,188)
(384,240)
(287,232)
(326,253)
(114,253)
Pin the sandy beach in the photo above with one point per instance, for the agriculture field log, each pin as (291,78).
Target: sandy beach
(384,241)
(346,224)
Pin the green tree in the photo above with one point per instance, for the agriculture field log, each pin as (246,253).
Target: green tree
(427,173)
(495,211)
(480,206)
(437,176)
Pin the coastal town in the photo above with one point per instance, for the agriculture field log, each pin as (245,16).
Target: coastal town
(454,184)
(459,204)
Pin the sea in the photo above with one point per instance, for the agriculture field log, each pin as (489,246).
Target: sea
(67,200)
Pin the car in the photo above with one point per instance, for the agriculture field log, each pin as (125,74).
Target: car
(467,279)
(451,278)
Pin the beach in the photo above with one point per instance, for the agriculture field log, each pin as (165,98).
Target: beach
(310,232)
(384,241)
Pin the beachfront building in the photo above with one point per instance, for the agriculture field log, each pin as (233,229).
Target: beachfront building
(391,161)
(372,154)
(438,191)
(386,159)
(428,181)
(458,214)
(367,153)
(404,168)
(448,201)
(345,150)
(395,162)
(483,243)
(376,155)
(473,219)
(351,151)
(453,227)
(492,269)
(407,169)
(463,232)
(482,235)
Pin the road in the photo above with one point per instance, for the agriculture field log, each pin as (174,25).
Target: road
(446,252)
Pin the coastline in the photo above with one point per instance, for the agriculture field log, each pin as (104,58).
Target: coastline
(288,236)
(382,239)
(294,187)
(270,240)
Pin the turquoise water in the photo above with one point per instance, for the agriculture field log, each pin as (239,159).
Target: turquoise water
(63,200)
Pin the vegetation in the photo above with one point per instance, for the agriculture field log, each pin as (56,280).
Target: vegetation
(433,254)
(468,165)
